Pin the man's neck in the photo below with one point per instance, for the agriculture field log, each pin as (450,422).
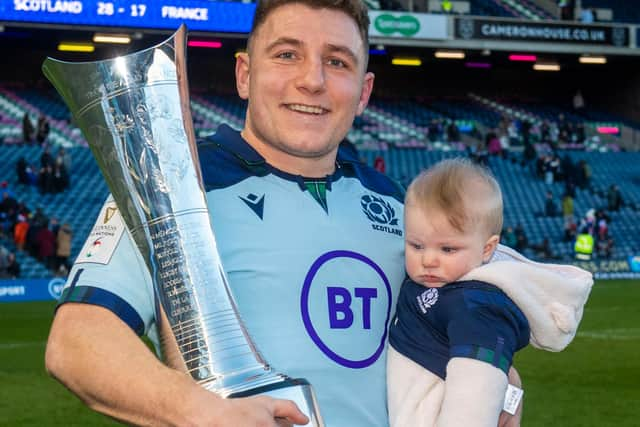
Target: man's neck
(308,167)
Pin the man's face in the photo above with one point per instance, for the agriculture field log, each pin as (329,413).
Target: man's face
(305,80)
(436,253)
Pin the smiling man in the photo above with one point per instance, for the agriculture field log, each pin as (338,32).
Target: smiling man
(310,238)
(304,85)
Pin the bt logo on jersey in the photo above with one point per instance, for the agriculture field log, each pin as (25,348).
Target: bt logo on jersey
(340,312)
(347,321)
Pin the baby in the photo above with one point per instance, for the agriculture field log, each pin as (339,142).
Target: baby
(460,319)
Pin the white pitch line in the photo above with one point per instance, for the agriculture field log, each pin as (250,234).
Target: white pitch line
(612,334)
(10,345)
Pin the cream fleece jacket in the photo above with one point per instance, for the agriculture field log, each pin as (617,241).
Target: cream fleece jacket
(551,296)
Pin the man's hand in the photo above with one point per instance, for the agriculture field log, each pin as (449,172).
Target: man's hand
(506,419)
(262,411)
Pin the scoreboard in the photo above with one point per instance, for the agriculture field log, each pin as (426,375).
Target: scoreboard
(198,15)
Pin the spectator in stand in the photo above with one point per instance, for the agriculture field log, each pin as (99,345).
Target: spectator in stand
(54,225)
(509,238)
(581,136)
(40,219)
(4,186)
(27,129)
(60,178)
(545,132)
(614,198)
(478,153)
(543,249)
(602,225)
(46,159)
(379,164)
(446,6)
(567,208)
(522,242)
(9,205)
(32,175)
(570,230)
(583,174)
(605,246)
(525,129)
(13,267)
(20,232)
(46,246)
(23,210)
(434,131)
(4,259)
(578,102)
(584,246)
(493,143)
(588,223)
(550,207)
(554,168)
(63,246)
(567,12)
(21,171)
(46,180)
(64,158)
(5,224)
(453,133)
(566,168)
(43,129)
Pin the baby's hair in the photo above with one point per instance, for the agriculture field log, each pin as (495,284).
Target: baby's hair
(464,191)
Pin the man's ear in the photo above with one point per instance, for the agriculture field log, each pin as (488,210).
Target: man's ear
(242,75)
(490,247)
(367,87)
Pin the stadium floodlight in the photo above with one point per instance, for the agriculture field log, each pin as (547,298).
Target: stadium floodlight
(548,66)
(608,130)
(410,62)
(111,38)
(449,54)
(76,47)
(589,59)
(525,58)
(205,43)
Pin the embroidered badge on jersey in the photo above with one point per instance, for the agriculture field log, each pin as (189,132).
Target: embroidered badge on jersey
(104,237)
(427,299)
(381,214)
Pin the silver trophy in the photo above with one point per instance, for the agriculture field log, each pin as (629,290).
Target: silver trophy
(134,112)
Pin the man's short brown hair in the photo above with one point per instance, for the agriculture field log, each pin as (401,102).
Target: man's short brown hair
(355,9)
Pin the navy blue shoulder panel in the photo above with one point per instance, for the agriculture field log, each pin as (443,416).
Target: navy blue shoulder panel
(225,159)
(369,177)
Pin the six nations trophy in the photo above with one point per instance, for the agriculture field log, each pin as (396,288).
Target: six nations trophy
(134,112)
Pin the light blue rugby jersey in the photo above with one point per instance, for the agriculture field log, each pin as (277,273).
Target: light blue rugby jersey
(325,315)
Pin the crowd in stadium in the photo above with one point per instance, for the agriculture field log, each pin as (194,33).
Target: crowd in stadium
(24,229)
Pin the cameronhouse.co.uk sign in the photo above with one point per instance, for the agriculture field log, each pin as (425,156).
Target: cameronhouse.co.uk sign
(470,28)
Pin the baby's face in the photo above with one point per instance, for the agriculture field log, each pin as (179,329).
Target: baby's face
(436,253)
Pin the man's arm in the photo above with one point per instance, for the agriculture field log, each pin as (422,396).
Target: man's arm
(100,359)
(506,419)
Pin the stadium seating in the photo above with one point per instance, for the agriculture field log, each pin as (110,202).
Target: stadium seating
(397,130)
(524,195)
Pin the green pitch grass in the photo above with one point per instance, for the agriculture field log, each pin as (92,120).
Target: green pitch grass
(594,382)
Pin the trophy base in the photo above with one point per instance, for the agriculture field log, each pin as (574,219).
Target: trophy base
(298,390)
